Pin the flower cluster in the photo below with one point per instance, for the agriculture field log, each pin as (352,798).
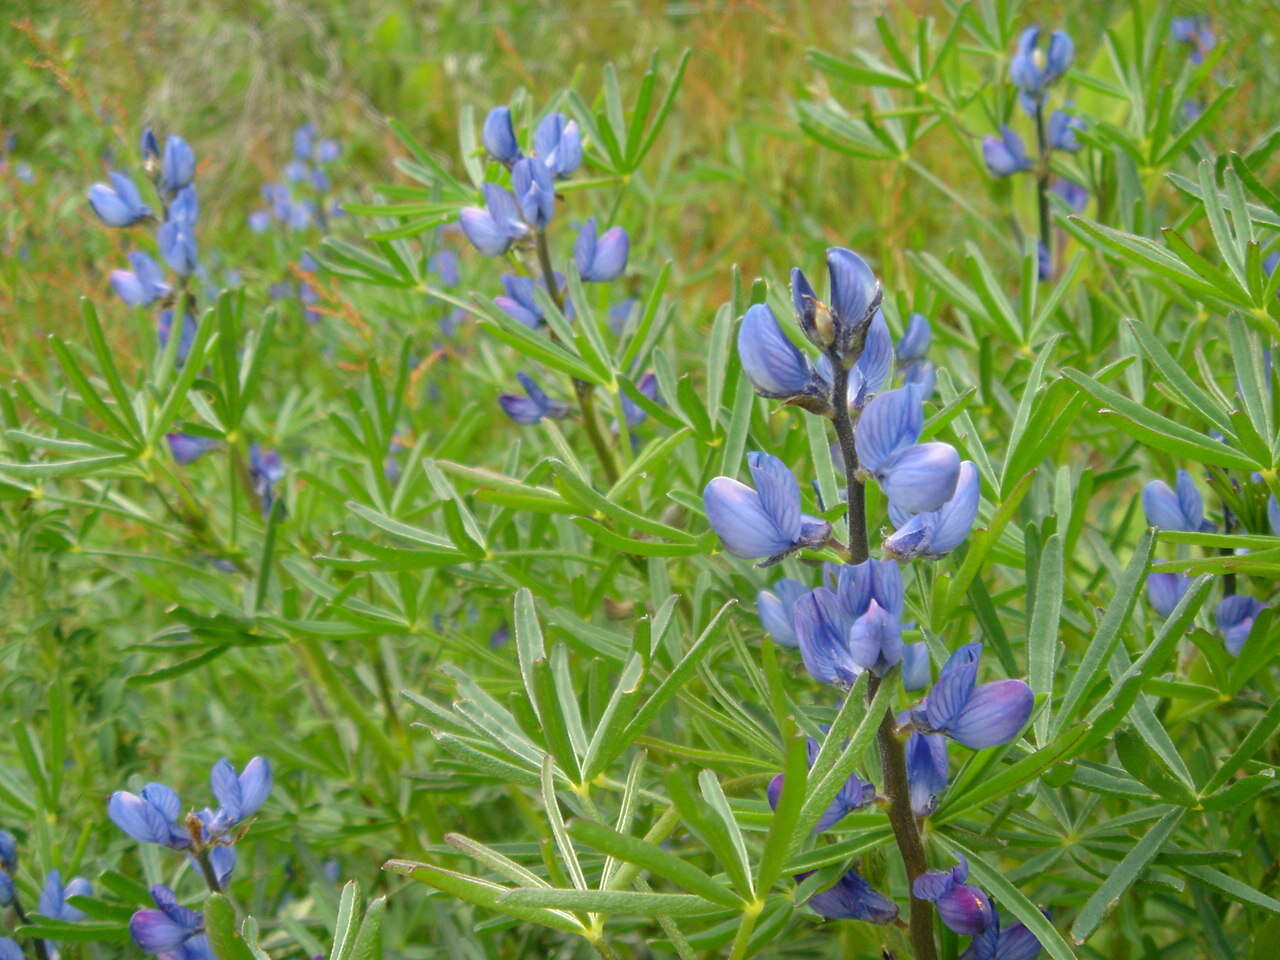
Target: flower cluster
(1182,508)
(53,903)
(967,911)
(299,200)
(153,816)
(170,931)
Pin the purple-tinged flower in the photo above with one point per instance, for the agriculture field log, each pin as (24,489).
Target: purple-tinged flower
(118,204)
(1165,590)
(1178,509)
(852,898)
(499,136)
(936,533)
(53,897)
(327,150)
(776,608)
(1006,154)
(533,408)
(1197,33)
(962,907)
(854,794)
(558,143)
(177,165)
(914,345)
(185,207)
(855,297)
(8,852)
(875,640)
(6,889)
(319,180)
(177,242)
(1073,194)
(493,229)
(1044,262)
(822,625)
(518,300)
(632,411)
(535,192)
(9,950)
(915,666)
(171,931)
(974,716)
(774,365)
(266,469)
(916,477)
(187,448)
(868,376)
(303,141)
(1234,616)
(859,584)
(926,770)
(259,220)
(150,817)
(444,264)
(1062,131)
(143,284)
(187,337)
(764,522)
(603,259)
(1032,69)
(1014,942)
(239,796)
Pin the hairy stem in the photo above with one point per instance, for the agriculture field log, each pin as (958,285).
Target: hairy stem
(206,868)
(583,390)
(1042,185)
(857,502)
(892,749)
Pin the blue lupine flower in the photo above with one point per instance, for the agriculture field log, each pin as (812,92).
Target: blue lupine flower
(499,137)
(143,284)
(620,313)
(303,140)
(327,150)
(1044,262)
(977,717)
(870,374)
(186,206)
(24,173)
(177,243)
(535,192)
(495,228)
(632,411)
(120,204)
(937,532)
(1015,942)
(150,147)
(1234,616)
(1197,33)
(8,852)
(852,898)
(855,298)
(854,794)
(915,666)
(444,264)
(858,584)
(6,888)
(926,770)
(777,610)
(1032,70)
(1006,154)
(1273,515)
(604,259)
(1164,590)
(519,302)
(774,365)
(558,143)
(164,326)
(53,898)
(186,448)
(320,181)
(266,469)
(916,477)
(150,817)
(1073,194)
(296,172)
(239,796)
(875,640)
(9,950)
(914,345)
(1170,510)
(962,907)
(1062,131)
(533,408)
(822,625)
(172,931)
(765,522)
(177,165)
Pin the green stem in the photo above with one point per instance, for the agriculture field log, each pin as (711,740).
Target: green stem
(583,390)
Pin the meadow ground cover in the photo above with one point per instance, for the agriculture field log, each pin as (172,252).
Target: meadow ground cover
(647,480)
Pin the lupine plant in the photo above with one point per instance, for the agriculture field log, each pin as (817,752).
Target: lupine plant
(811,495)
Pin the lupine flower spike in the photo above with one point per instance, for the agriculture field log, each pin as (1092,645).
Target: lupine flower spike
(765,522)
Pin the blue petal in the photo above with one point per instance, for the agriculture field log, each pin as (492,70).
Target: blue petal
(1164,590)
(745,529)
(610,256)
(774,365)
(1189,501)
(820,629)
(499,136)
(994,714)
(915,666)
(854,287)
(855,588)
(914,344)
(226,789)
(156,932)
(484,234)
(255,785)
(521,409)
(871,372)
(890,423)
(965,910)
(954,686)
(1161,506)
(1061,52)
(128,287)
(139,819)
(779,493)
(178,165)
(875,640)
(921,478)
(775,618)
(926,770)
(852,898)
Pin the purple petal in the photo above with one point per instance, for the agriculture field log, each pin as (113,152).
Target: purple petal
(820,629)
(736,515)
(774,365)
(779,493)
(921,478)
(994,714)
(890,424)
(954,686)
